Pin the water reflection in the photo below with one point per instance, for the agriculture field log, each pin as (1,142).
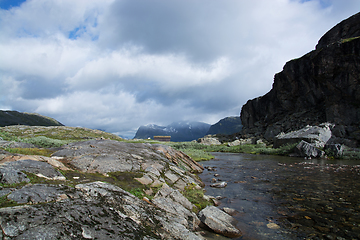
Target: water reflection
(288,198)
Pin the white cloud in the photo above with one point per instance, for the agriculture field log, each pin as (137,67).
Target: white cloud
(119,64)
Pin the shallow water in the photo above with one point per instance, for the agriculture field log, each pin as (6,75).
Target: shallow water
(288,198)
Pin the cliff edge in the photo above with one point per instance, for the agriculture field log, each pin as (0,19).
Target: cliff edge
(322,86)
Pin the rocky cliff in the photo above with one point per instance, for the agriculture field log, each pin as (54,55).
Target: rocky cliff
(322,86)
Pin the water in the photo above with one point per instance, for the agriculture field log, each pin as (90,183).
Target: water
(288,198)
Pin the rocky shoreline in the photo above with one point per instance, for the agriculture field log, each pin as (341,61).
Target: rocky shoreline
(51,197)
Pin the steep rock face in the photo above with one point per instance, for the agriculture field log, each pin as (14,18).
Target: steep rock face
(322,86)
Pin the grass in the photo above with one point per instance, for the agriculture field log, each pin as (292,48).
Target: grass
(30,151)
(196,197)
(348,39)
(200,152)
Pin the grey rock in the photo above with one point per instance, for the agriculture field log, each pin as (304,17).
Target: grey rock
(10,175)
(93,211)
(37,193)
(41,169)
(219,185)
(304,149)
(316,135)
(230,211)
(209,140)
(219,221)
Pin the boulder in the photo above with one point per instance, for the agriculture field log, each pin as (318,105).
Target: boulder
(219,185)
(209,140)
(219,221)
(316,135)
(305,149)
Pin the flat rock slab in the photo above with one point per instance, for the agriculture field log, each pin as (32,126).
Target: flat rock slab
(219,221)
(38,193)
(92,211)
(317,135)
(41,169)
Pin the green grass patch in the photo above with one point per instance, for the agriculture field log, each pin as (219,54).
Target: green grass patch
(349,39)
(30,151)
(5,202)
(196,197)
(46,142)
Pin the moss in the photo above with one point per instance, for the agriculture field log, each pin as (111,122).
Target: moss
(196,197)
(349,39)
(5,202)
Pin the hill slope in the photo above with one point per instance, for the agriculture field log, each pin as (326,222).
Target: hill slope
(226,126)
(8,118)
(179,131)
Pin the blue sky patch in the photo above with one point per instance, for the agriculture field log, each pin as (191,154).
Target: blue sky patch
(7,4)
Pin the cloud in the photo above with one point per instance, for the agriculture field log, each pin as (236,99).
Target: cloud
(119,64)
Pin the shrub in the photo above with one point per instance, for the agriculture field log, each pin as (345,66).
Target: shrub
(46,142)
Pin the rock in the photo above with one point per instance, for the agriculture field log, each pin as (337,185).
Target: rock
(11,176)
(273,226)
(100,210)
(240,142)
(209,140)
(92,211)
(321,86)
(40,169)
(219,185)
(37,193)
(304,149)
(230,211)
(316,135)
(219,221)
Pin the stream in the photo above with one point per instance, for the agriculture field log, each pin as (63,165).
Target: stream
(287,198)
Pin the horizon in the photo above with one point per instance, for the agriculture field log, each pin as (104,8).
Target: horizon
(117,65)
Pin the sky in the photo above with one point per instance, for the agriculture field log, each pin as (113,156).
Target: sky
(115,65)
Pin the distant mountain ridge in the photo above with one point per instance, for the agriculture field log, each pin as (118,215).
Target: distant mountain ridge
(226,126)
(8,118)
(179,131)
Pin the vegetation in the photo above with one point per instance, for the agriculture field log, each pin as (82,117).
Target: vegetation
(31,151)
(349,39)
(196,196)
(200,152)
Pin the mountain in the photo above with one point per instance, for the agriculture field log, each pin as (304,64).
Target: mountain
(321,86)
(226,126)
(179,131)
(8,118)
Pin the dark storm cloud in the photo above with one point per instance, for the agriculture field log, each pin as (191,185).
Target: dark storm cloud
(119,64)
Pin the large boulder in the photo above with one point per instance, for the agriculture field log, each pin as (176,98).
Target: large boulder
(316,135)
(219,221)
(305,149)
(321,86)
(209,140)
